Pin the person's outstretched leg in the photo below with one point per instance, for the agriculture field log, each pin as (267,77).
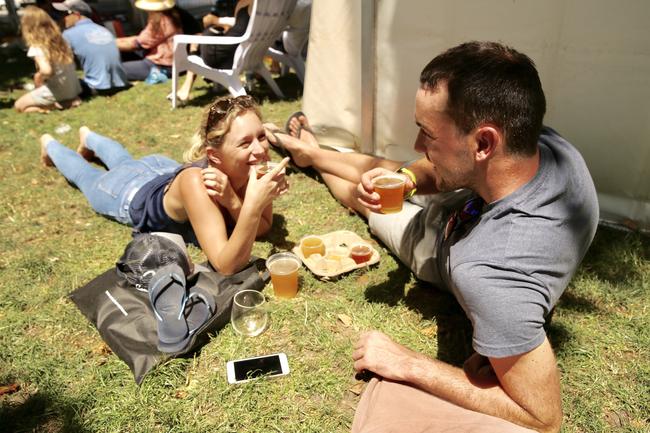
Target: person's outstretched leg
(340,171)
(110,152)
(108,192)
(72,166)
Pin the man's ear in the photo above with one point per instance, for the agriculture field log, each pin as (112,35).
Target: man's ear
(213,156)
(488,138)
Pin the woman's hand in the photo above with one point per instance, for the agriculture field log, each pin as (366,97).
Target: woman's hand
(261,192)
(218,186)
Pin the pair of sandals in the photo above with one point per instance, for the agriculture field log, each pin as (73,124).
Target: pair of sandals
(179,313)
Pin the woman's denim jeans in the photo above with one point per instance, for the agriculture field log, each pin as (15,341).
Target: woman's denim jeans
(108,192)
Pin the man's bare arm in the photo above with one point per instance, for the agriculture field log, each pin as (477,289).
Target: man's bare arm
(526,391)
(423,170)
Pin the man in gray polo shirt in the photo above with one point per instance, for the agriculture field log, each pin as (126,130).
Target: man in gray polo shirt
(95,48)
(505,212)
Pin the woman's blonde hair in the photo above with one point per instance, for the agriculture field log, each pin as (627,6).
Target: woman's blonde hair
(216,122)
(39,30)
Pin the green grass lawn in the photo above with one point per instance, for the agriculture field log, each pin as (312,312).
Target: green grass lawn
(52,242)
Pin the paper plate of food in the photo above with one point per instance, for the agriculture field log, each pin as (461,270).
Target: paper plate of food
(335,253)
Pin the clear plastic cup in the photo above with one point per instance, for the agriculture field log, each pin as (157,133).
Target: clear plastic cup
(284,274)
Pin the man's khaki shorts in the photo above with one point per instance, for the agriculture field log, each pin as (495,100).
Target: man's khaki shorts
(413,234)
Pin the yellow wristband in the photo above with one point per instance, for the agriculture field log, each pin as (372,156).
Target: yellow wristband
(411,176)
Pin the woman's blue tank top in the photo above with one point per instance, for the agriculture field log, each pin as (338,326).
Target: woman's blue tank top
(147,211)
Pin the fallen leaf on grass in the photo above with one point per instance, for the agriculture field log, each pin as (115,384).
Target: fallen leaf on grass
(357,388)
(181,394)
(617,419)
(429,331)
(9,389)
(175,136)
(102,349)
(345,319)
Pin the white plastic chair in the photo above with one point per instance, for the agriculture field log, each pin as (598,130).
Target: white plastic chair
(268,19)
(295,37)
(293,61)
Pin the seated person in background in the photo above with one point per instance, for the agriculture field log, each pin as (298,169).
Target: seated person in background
(56,80)
(154,45)
(220,9)
(219,56)
(95,48)
(156,193)
(509,214)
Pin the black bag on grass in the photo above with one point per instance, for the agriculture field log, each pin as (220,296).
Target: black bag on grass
(125,320)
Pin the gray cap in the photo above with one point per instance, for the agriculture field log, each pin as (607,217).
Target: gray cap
(73,6)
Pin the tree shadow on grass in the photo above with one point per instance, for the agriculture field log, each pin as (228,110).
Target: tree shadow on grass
(576,303)
(15,66)
(391,290)
(614,256)
(278,234)
(38,412)
(453,329)
(558,335)
(6,103)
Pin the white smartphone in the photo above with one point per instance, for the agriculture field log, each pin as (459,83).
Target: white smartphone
(245,370)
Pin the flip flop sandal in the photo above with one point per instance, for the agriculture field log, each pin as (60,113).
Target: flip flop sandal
(308,129)
(279,146)
(296,115)
(168,298)
(200,307)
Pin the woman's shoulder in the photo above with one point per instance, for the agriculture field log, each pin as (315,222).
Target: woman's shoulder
(189,173)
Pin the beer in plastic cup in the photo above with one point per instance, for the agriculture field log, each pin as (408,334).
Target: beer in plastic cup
(264,167)
(360,253)
(312,245)
(390,188)
(284,274)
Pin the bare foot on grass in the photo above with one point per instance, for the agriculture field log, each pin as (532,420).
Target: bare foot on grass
(82,150)
(45,159)
(301,152)
(299,127)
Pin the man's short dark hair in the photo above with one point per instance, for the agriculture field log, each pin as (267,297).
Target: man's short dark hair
(491,83)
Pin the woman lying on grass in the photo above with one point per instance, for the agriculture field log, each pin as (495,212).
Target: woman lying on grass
(156,193)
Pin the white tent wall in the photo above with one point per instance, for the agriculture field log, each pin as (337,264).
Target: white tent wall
(593,56)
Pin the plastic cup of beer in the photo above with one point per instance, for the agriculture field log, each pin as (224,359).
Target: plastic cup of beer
(312,245)
(264,167)
(284,274)
(390,188)
(360,253)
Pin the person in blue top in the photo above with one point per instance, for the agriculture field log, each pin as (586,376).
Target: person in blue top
(155,193)
(95,48)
